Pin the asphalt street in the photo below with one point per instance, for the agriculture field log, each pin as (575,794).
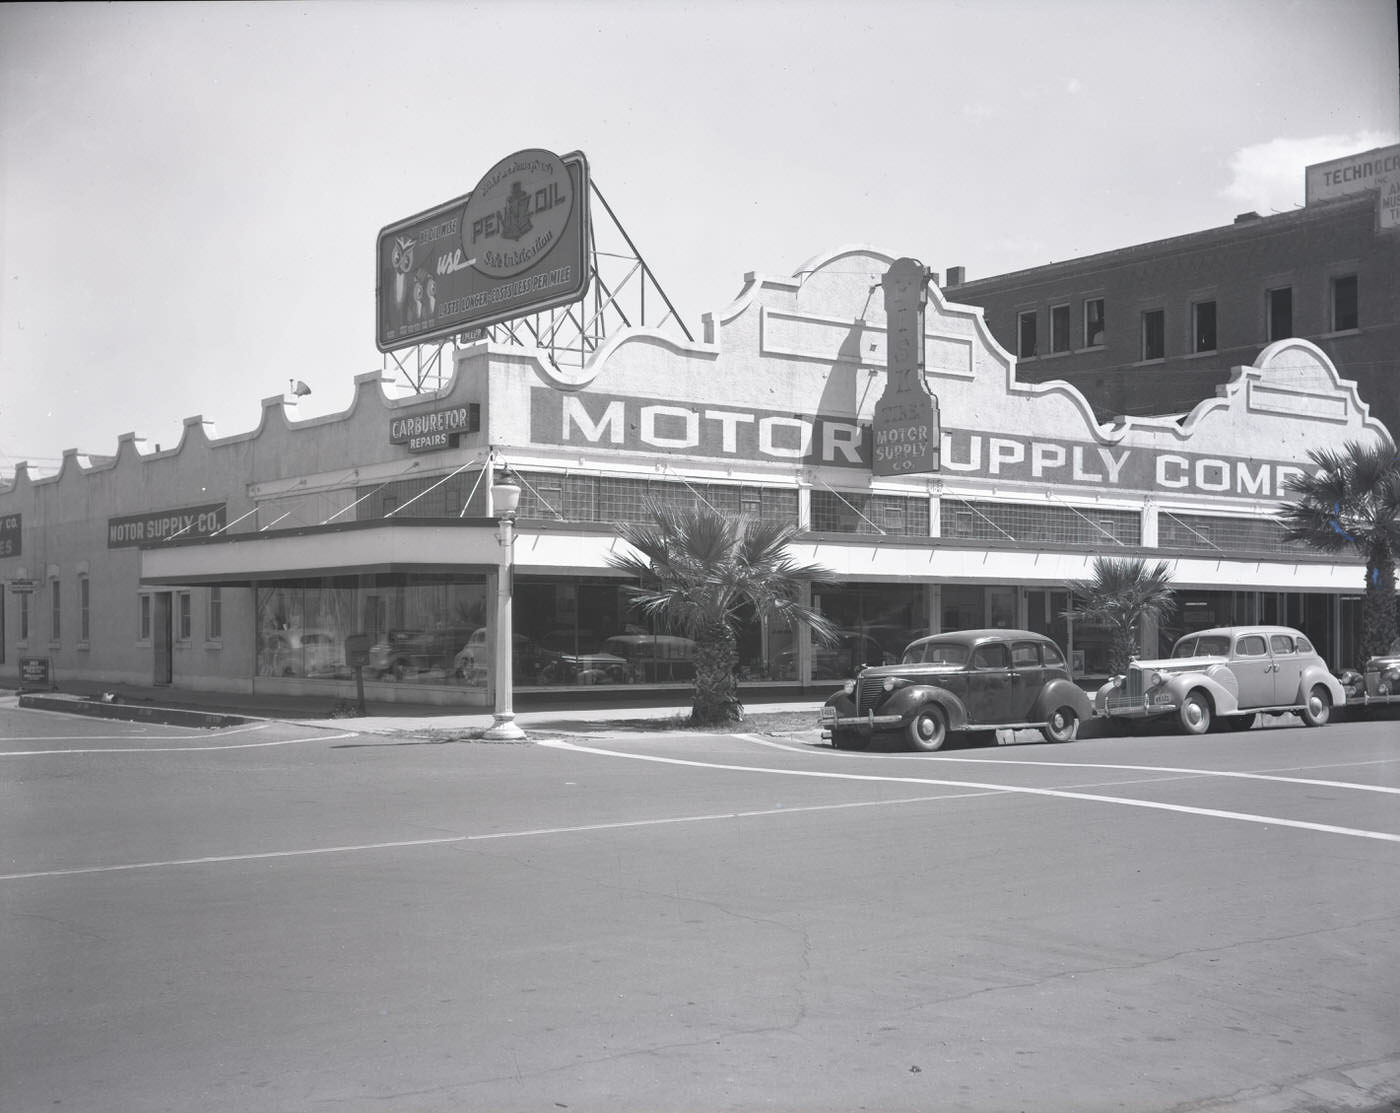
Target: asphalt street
(284,916)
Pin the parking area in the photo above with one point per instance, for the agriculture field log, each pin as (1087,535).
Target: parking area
(280,916)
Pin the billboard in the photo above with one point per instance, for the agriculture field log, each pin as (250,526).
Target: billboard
(516,245)
(1353,174)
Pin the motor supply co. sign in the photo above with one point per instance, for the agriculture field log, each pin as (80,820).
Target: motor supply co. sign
(812,440)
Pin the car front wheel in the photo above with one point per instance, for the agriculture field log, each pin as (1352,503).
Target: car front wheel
(1195,714)
(1317,711)
(1061,726)
(928,729)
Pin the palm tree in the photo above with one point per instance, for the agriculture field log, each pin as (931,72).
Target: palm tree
(1121,596)
(1352,501)
(698,569)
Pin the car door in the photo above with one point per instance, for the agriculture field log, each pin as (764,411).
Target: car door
(1027,678)
(1288,668)
(1254,670)
(989,684)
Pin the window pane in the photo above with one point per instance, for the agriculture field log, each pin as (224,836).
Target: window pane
(1154,334)
(1093,322)
(1027,335)
(1203,314)
(1059,328)
(1281,313)
(1344,303)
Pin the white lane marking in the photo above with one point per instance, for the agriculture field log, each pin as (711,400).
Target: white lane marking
(134,734)
(530,833)
(1062,794)
(943,759)
(182,749)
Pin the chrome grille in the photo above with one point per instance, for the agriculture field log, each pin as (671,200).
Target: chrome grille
(867,694)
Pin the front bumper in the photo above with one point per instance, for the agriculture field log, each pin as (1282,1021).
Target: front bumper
(1130,707)
(830,720)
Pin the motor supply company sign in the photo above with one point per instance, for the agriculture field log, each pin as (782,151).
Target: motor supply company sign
(647,425)
(166,525)
(516,245)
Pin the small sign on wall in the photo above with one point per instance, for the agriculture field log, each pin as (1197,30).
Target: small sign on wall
(35,674)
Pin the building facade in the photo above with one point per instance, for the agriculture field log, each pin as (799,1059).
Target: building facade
(1157,327)
(266,561)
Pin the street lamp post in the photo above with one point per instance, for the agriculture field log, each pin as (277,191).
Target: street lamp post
(505,499)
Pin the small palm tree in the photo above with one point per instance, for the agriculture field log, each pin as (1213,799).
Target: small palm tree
(1352,501)
(698,569)
(1121,596)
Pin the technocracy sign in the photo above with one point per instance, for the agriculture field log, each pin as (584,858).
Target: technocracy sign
(516,245)
(1354,174)
(815,440)
(166,525)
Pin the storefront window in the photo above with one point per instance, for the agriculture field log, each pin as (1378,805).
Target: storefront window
(876,620)
(422,628)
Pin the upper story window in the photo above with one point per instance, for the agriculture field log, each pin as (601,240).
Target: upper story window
(1025,333)
(1059,328)
(1093,323)
(1280,312)
(1154,334)
(1203,326)
(1345,313)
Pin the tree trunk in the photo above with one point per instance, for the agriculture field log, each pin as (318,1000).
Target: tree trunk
(1378,628)
(716,697)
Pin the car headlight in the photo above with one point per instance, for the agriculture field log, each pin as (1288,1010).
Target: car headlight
(1156,679)
(889,685)
(849,688)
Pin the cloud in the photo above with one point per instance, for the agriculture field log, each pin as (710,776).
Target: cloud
(1269,177)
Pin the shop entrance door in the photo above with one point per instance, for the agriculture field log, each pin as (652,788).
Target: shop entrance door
(161,641)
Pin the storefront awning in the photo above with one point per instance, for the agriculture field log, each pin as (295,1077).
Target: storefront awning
(353,549)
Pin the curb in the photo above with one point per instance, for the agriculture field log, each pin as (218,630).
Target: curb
(170,716)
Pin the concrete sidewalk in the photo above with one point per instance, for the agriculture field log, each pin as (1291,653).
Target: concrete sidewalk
(213,709)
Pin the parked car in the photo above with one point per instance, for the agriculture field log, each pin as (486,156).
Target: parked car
(1225,677)
(975,681)
(1376,684)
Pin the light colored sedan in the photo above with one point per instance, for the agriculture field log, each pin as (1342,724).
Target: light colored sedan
(1225,678)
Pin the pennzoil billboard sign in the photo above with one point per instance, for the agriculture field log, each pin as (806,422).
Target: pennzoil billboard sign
(516,245)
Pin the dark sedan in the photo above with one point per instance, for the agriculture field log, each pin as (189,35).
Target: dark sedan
(974,681)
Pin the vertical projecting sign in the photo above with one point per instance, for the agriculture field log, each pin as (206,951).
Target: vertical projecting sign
(906,432)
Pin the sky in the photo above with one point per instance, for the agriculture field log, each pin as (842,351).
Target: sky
(191,194)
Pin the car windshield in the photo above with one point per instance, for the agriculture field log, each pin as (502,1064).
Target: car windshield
(936,653)
(1212,646)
